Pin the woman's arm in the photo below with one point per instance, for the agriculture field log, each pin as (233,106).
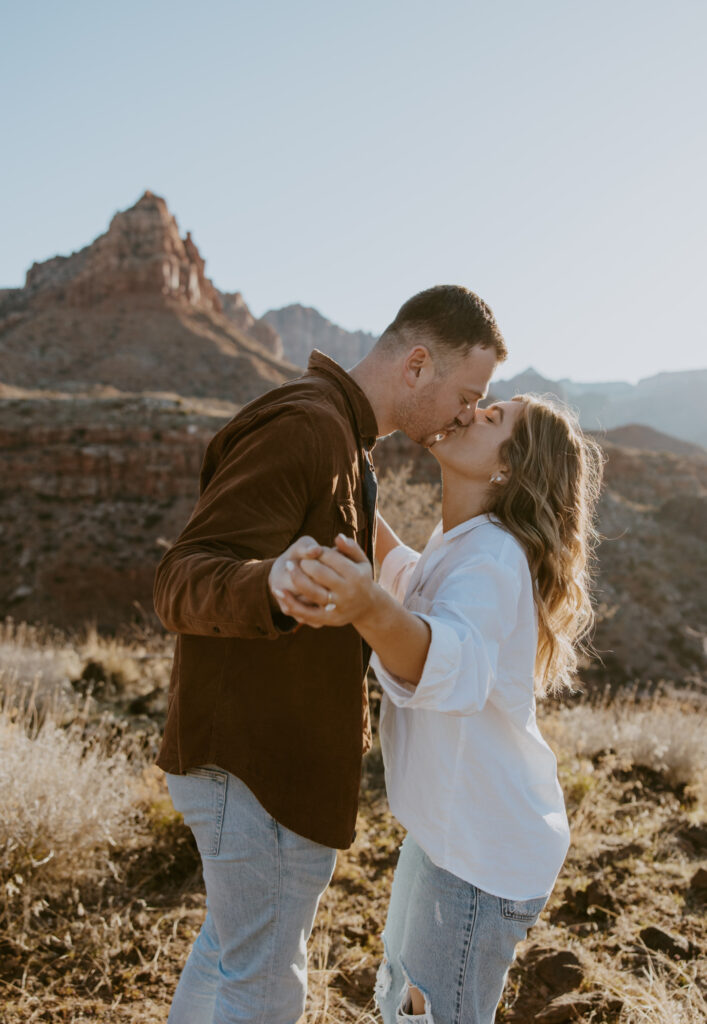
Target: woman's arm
(386,538)
(400,639)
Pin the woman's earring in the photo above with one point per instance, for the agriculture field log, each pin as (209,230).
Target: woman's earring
(496,479)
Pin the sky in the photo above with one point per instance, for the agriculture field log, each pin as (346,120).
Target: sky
(552,156)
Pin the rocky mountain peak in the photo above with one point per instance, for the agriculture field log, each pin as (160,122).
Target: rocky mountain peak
(303,328)
(528,381)
(136,311)
(141,254)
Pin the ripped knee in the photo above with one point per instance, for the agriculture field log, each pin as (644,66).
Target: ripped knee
(414,1004)
(416,1001)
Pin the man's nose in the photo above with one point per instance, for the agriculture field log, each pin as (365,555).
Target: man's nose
(466,415)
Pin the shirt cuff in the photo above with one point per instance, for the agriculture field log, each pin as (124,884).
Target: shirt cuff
(439,674)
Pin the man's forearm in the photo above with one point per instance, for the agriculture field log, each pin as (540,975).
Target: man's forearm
(210,594)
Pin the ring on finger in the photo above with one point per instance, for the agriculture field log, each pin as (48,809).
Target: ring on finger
(331,604)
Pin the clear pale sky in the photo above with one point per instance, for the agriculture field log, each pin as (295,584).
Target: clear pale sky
(551,155)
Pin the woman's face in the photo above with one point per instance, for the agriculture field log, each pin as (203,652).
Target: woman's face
(472,451)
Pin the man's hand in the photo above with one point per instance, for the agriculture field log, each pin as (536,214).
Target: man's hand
(344,579)
(286,575)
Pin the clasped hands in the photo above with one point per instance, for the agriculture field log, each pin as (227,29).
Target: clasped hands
(320,586)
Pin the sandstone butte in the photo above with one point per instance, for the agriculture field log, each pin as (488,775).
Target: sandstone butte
(136,311)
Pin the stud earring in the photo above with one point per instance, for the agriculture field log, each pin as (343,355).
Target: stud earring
(496,479)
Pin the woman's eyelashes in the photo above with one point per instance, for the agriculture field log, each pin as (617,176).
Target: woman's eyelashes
(492,415)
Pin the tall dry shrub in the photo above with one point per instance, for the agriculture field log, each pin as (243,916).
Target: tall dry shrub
(660,733)
(67,803)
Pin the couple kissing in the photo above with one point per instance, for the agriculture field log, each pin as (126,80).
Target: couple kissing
(271,591)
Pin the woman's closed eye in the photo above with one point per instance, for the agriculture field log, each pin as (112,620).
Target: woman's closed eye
(493,414)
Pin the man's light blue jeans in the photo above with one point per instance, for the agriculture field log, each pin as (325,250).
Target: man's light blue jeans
(263,884)
(450,940)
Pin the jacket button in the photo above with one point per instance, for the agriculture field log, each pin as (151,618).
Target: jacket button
(216,629)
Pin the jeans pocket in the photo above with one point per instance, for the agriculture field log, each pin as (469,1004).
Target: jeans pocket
(200,797)
(526,911)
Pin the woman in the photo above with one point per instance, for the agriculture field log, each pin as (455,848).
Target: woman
(465,636)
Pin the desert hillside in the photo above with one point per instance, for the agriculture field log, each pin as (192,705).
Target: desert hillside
(636,435)
(102,482)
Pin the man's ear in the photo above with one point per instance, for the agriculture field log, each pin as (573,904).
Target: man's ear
(417,366)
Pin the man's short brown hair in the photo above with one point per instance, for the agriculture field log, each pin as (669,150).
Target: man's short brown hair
(453,317)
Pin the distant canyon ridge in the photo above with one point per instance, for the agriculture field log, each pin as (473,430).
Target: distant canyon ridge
(135,310)
(120,361)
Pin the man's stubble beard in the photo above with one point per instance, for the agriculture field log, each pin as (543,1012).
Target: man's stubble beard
(415,417)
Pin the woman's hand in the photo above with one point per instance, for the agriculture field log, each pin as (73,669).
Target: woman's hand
(286,567)
(345,576)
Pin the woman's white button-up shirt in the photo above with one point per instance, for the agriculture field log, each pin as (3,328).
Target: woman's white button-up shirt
(467,772)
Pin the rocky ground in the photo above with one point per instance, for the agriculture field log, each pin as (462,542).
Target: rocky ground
(100,930)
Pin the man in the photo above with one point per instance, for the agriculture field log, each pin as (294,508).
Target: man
(267,722)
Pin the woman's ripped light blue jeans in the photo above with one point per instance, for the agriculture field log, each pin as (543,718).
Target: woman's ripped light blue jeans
(448,939)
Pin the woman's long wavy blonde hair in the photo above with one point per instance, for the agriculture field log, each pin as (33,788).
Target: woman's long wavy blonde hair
(548,503)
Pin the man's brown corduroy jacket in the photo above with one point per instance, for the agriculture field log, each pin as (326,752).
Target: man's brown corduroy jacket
(283,708)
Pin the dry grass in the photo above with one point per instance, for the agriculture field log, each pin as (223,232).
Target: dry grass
(100,889)
(58,666)
(67,801)
(664,731)
(663,992)
(633,772)
(30,655)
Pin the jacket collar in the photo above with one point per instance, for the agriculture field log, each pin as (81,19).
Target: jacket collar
(366,424)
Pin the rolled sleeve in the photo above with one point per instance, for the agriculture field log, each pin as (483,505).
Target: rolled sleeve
(471,614)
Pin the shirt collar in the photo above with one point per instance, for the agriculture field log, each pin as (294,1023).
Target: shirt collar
(468,524)
(365,417)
